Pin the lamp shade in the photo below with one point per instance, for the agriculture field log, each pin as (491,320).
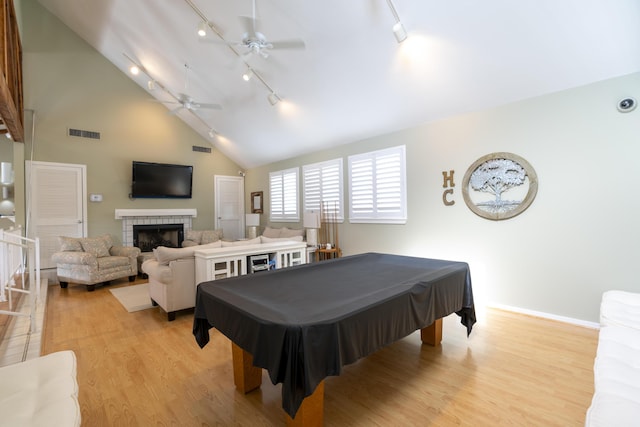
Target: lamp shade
(311,220)
(6,173)
(252,220)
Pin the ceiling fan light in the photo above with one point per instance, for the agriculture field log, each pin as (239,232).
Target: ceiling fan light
(202,29)
(273,98)
(400,32)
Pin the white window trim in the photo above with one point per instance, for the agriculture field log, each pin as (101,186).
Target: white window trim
(375,216)
(320,166)
(293,216)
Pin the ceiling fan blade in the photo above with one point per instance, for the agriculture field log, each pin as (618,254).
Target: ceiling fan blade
(208,106)
(288,44)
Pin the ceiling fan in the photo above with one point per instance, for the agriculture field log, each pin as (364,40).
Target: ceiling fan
(186,102)
(255,42)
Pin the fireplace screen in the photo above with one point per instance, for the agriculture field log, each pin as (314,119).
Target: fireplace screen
(149,237)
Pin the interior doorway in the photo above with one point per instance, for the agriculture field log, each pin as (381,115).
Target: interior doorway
(56,195)
(229,206)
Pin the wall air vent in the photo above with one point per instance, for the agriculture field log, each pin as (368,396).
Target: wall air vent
(201,149)
(84,133)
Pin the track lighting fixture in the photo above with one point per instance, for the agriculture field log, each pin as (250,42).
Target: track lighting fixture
(250,73)
(134,70)
(151,85)
(398,29)
(273,98)
(212,133)
(246,76)
(202,29)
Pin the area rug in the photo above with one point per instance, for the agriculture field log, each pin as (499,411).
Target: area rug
(133,298)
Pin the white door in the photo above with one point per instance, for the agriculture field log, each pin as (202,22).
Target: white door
(229,206)
(56,194)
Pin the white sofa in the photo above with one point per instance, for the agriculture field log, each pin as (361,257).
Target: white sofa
(40,392)
(616,399)
(172,277)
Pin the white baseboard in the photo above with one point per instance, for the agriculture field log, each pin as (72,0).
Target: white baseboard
(579,322)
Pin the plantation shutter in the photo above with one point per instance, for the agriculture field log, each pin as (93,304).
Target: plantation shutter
(283,186)
(377,186)
(322,182)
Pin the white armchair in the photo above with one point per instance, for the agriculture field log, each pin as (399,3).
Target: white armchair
(93,260)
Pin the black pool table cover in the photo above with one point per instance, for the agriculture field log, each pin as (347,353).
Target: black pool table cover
(304,323)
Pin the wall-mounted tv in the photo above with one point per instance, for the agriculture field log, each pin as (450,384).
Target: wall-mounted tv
(161,180)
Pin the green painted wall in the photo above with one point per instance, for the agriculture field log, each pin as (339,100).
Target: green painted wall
(67,84)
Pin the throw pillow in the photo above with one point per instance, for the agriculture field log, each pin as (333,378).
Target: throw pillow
(287,232)
(69,244)
(280,239)
(107,240)
(210,236)
(255,241)
(193,235)
(95,246)
(271,232)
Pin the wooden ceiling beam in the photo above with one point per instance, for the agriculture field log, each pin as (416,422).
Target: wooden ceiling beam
(11,96)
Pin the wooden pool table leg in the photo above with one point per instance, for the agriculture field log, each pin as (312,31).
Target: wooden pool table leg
(311,412)
(432,334)
(245,376)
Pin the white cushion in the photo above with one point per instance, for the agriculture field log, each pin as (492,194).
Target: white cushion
(40,392)
(164,254)
(620,308)
(609,410)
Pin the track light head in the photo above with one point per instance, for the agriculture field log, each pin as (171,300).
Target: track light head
(273,98)
(134,70)
(246,76)
(400,32)
(202,29)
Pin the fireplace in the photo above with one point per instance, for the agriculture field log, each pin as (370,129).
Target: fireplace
(149,236)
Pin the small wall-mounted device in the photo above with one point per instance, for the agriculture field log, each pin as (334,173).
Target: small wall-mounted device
(627,104)
(95,197)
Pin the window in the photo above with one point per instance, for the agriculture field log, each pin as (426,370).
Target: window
(283,186)
(377,186)
(322,182)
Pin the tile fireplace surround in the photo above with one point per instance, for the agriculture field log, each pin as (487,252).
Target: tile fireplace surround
(131,217)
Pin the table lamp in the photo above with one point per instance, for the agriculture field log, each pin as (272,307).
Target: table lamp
(311,221)
(252,221)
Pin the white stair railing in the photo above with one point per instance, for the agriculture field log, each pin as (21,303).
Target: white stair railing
(19,271)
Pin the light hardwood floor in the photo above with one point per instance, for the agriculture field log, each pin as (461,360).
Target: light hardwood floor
(137,369)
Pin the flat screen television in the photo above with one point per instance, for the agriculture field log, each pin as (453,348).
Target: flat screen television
(161,180)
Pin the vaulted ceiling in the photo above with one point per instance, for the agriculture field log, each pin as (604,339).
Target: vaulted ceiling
(353,79)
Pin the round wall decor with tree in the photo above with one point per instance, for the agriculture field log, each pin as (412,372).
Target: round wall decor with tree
(499,186)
